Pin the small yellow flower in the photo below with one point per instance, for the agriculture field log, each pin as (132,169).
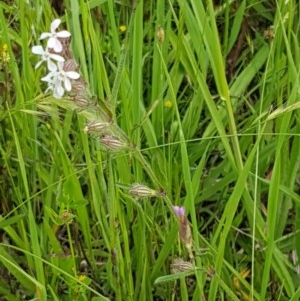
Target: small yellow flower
(168,104)
(244,274)
(123,28)
(4,47)
(81,277)
(4,55)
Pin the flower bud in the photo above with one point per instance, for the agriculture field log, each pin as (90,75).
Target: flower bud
(96,126)
(160,34)
(180,211)
(185,233)
(79,87)
(142,191)
(70,65)
(184,229)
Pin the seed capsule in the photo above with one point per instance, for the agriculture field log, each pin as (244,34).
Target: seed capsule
(113,143)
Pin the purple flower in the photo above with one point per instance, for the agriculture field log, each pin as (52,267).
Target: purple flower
(180,211)
(184,229)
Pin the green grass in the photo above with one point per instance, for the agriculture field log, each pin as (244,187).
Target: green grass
(203,99)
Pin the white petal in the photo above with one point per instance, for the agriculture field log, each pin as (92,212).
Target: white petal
(51,42)
(37,50)
(72,74)
(68,85)
(49,77)
(56,57)
(60,66)
(58,91)
(58,46)
(51,66)
(63,34)
(46,78)
(45,35)
(55,23)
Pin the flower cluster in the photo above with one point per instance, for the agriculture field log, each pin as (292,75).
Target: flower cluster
(61,71)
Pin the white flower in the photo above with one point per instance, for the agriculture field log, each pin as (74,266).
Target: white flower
(54,36)
(54,85)
(60,80)
(46,56)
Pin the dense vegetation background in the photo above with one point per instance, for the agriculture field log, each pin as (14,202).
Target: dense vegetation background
(182,103)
